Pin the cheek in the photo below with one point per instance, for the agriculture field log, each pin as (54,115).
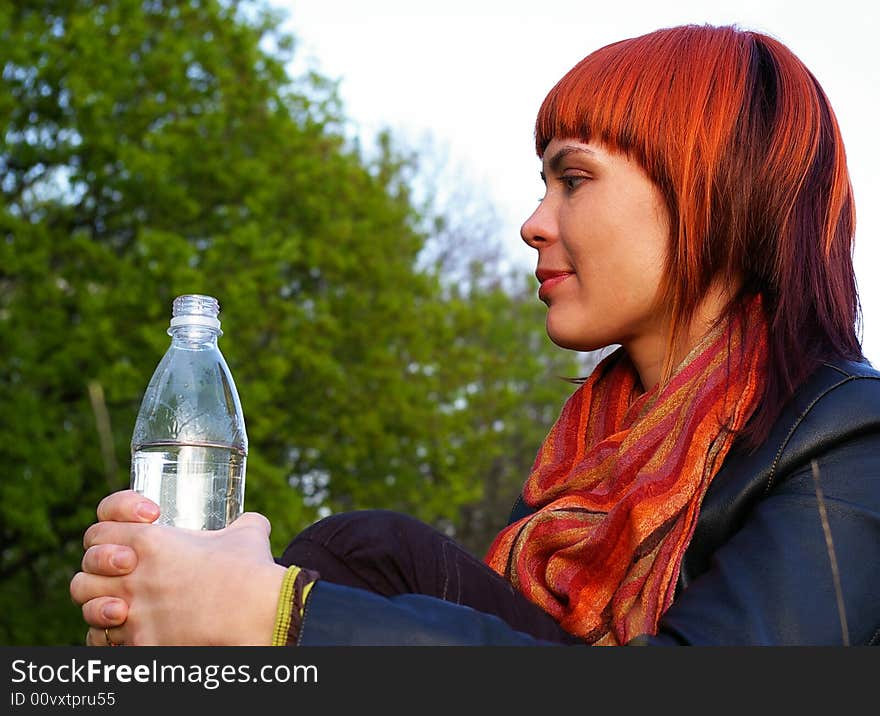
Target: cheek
(614,238)
(638,246)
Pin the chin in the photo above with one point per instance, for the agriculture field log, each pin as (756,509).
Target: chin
(574,338)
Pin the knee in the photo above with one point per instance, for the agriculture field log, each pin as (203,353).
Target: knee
(349,532)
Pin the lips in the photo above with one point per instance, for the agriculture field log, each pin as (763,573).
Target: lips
(550,278)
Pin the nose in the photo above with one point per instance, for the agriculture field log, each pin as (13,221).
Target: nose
(539,229)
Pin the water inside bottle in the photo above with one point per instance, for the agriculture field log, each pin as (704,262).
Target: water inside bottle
(196,486)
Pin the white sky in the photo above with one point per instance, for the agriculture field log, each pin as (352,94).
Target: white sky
(451,69)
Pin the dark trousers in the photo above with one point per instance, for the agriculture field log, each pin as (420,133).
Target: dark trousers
(390,553)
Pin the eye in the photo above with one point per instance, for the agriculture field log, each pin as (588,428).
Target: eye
(573,181)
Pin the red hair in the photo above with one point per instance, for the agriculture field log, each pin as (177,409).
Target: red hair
(742,142)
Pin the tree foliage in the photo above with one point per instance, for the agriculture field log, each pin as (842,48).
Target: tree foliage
(152,148)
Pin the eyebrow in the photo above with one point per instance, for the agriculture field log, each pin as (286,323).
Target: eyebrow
(557,158)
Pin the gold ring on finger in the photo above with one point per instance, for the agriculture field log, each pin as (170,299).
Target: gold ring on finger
(110,642)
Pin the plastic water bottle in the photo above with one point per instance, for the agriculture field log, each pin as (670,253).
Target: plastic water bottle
(189,446)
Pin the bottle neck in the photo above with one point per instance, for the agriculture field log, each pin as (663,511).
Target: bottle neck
(194,336)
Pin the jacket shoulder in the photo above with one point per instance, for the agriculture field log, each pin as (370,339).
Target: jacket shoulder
(839,401)
(837,404)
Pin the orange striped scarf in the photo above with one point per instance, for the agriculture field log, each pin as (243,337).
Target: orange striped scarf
(618,484)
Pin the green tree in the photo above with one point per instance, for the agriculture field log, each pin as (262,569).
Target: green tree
(152,148)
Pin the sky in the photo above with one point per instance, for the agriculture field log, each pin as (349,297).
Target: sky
(468,76)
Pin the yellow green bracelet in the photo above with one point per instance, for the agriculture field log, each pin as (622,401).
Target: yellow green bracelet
(295,588)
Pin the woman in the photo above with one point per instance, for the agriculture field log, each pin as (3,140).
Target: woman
(715,480)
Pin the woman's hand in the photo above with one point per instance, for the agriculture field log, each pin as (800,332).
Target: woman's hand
(150,584)
(113,561)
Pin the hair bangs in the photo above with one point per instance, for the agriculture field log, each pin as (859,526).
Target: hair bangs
(647,96)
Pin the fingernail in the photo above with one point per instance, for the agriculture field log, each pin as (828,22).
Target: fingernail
(112,611)
(121,560)
(147,511)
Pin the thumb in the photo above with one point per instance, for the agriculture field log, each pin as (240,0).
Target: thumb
(253,520)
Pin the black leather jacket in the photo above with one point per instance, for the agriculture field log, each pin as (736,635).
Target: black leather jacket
(773,560)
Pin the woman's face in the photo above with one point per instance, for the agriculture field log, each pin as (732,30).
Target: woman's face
(602,235)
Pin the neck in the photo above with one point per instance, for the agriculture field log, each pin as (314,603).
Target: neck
(649,352)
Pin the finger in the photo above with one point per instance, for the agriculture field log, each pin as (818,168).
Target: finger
(109,560)
(85,586)
(253,520)
(127,506)
(102,612)
(99,637)
(119,533)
